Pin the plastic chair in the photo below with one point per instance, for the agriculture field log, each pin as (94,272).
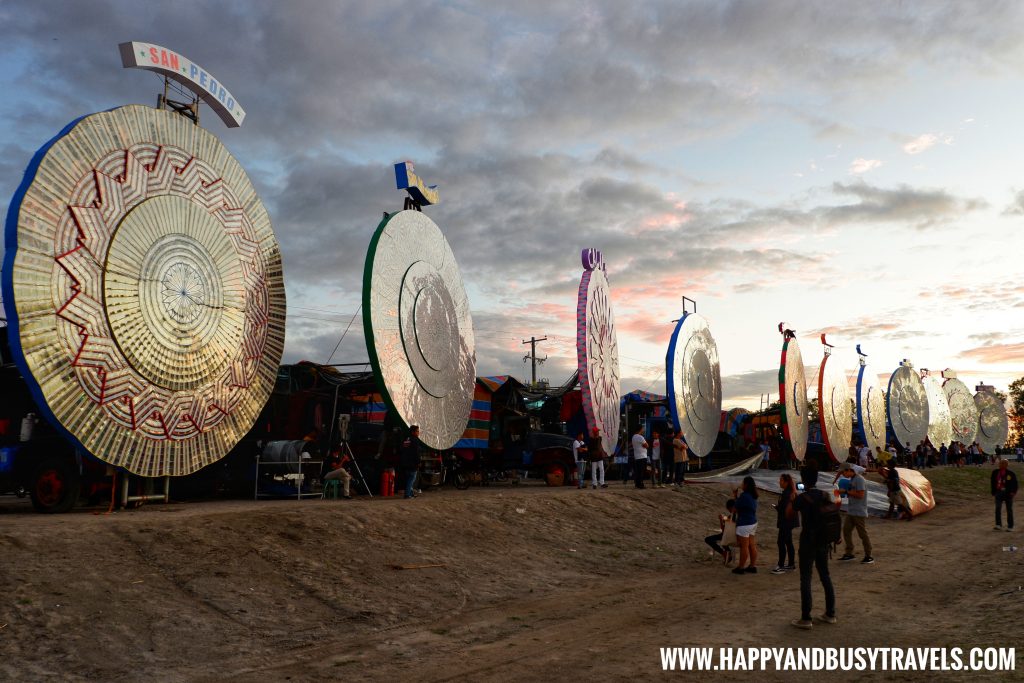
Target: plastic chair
(332,489)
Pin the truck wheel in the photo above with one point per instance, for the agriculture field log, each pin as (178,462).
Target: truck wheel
(54,486)
(555,475)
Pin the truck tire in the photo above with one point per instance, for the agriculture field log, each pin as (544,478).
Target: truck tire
(54,485)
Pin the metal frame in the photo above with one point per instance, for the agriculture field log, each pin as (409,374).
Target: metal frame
(298,478)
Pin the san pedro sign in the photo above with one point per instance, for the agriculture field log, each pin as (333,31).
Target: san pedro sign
(194,77)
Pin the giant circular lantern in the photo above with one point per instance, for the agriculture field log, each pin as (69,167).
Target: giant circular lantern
(993,425)
(834,410)
(694,382)
(419,331)
(963,411)
(793,395)
(940,426)
(870,409)
(908,406)
(143,290)
(597,351)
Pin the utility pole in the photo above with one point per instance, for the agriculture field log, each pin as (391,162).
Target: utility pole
(532,357)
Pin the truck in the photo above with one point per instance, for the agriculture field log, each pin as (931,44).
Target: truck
(35,460)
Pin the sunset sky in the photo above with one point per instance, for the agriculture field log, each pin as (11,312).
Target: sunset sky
(856,168)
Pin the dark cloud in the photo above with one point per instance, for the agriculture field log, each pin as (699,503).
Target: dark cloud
(918,207)
(746,385)
(539,121)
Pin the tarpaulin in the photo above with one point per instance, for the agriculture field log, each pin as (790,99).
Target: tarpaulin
(369,408)
(916,490)
(640,396)
(478,429)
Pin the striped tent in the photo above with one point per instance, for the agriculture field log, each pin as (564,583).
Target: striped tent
(478,429)
(369,408)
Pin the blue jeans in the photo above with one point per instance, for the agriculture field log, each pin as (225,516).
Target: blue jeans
(410,482)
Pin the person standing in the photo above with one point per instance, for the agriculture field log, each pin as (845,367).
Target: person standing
(746,526)
(766,455)
(656,459)
(943,454)
(892,488)
(682,457)
(1020,454)
(639,444)
(1004,488)
(668,458)
(856,515)
(785,525)
(579,453)
(863,455)
(813,551)
(410,459)
(596,455)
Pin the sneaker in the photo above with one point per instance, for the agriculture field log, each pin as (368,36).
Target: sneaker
(604,486)
(790,567)
(751,570)
(739,570)
(805,624)
(1009,528)
(825,619)
(846,558)
(868,560)
(997,527)
(779,570)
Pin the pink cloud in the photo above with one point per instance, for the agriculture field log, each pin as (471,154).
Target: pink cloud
(997,353)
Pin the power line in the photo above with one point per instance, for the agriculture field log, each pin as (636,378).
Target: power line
(343,335)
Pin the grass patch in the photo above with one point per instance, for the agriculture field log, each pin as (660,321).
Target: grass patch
(967,482)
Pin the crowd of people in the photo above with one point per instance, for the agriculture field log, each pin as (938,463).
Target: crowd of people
(824,523)
(925,454)
(661,462)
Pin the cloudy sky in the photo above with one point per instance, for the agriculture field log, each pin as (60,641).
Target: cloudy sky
(846,167)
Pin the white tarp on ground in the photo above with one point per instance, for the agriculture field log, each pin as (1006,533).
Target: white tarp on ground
(768,480)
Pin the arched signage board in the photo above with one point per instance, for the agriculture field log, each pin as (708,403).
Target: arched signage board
(137,55)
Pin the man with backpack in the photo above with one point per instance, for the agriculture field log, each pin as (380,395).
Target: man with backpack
(856,514)
(820,528)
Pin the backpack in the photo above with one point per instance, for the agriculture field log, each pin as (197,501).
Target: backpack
(827,525)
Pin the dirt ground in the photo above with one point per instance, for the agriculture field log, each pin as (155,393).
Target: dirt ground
(536,584)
